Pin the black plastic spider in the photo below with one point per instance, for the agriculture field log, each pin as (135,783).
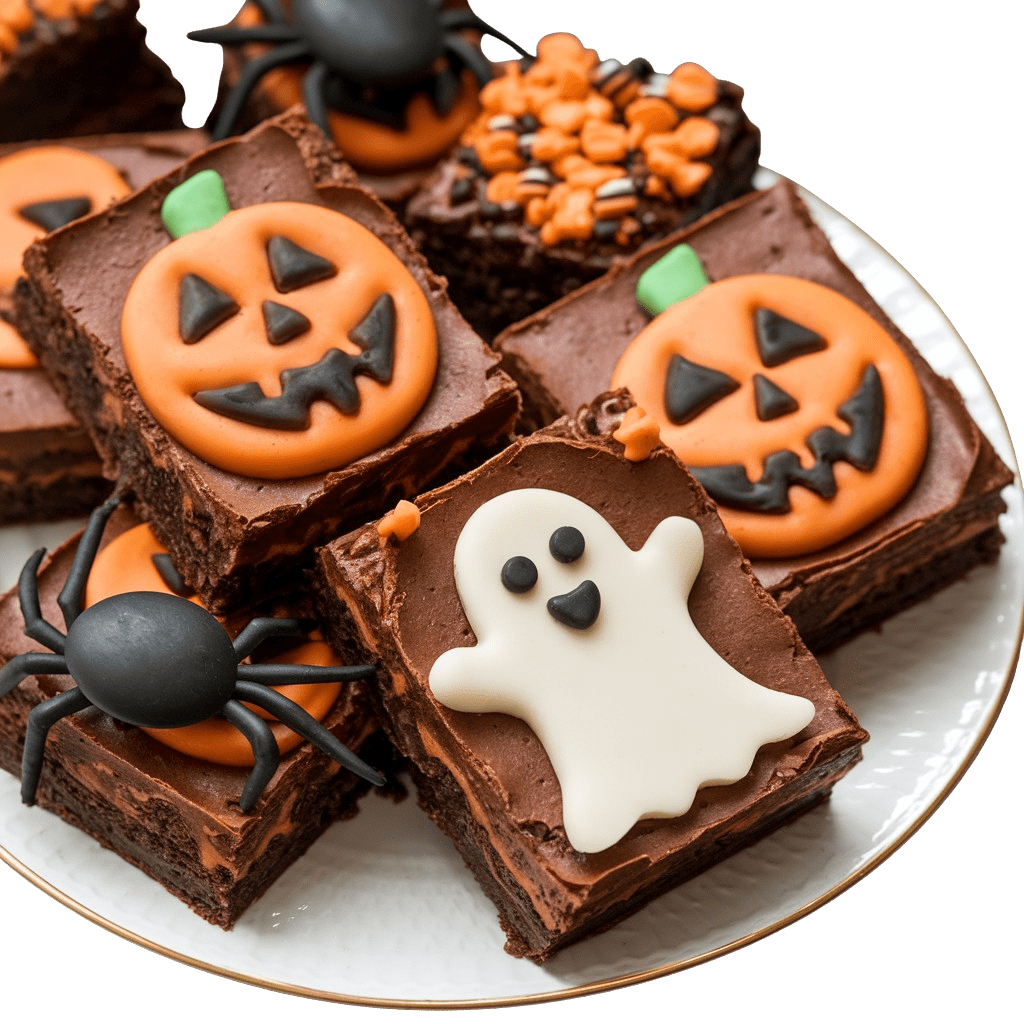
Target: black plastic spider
(367,56)
(161,662)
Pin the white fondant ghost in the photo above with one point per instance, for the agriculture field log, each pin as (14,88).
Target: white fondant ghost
(635,712)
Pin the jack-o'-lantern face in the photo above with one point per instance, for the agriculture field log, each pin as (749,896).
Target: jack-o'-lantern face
(42,189)
(285,339)
(137,561)
(801,416)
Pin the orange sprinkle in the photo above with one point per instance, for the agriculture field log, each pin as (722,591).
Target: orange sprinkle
(691,88)
(648,115)
(537,211)
(565,115)
(599,107)
(613,209)
(550,145)
(657,189)
(572,217)
(697,136)
(604,142)
(65,8)
(401,523)
(499,151)
(503,187)
(584,174)
(687,178)
(638,433)
(628,230)
(505,94)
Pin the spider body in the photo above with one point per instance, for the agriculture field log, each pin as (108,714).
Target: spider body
(158,661)
(366,58)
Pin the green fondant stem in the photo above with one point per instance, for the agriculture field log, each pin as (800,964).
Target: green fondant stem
(197,203)
(676,276)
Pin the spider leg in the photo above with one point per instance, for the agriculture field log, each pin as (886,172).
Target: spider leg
(36,626)
(72,594)
(227,35)
(251,74)
(299,720)
(313,95)
(261,629)
(24,665)
(470,56)
(264,748)
(467,19)
(271,9)
(446,90)
(40,720)
(276,674)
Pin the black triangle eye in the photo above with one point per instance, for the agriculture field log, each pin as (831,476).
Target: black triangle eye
(283,323)
(779,339)
(293,267)
(691,388)
(56,212)
(201,308)
(771,401)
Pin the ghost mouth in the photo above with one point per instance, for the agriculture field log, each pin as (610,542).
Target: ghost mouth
(577,609)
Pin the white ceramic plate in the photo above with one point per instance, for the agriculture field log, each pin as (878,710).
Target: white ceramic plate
(382,911)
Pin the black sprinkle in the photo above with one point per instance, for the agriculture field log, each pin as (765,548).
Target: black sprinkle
(605,230)
(490,211)
(566,544)
(519,574)
(294,267)
(462,191)
(201,308)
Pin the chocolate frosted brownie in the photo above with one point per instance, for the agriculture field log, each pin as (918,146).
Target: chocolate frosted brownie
(851,473)
(168,800)
(262,356)
(81,68)
(574,164)
(549,586)
(48,466)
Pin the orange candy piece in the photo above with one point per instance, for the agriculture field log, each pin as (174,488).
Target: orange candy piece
(691,88)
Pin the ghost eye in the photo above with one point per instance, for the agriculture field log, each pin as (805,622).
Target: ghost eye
(519,574)
(566,544)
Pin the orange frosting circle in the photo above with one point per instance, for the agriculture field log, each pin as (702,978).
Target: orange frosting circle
(232,256)
(715,329)
(126,565)
(45,174)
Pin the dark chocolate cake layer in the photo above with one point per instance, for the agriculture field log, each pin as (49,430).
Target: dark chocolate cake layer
(83,73)
(485,778)
(946,523)
(233,536)
(48,466)
(174,816)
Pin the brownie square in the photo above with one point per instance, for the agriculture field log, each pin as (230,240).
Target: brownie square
(946,523)
(48,466)
(484,777)
(171,814)
(81,68)
(574,163)
(237,534)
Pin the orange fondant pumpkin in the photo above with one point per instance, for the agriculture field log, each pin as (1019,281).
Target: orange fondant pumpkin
(126,565)
(748,405)
(284,340)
